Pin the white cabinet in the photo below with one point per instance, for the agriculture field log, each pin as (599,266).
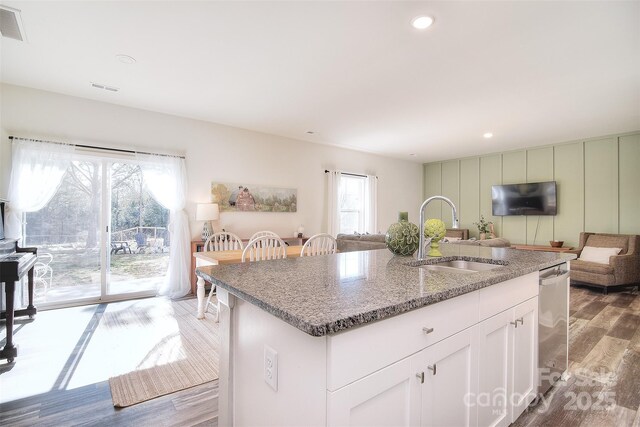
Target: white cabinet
(507,354)
(430,388)
(384,398)
(450,380)
(495,357)
(460,362)
(525,356)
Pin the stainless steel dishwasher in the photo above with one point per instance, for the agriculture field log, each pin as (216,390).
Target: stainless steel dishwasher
(553,325)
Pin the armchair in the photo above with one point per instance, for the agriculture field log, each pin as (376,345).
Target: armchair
(623,269)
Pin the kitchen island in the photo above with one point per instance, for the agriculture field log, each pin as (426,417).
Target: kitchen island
(371,338)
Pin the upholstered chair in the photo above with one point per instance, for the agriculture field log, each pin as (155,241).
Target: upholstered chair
(622,269)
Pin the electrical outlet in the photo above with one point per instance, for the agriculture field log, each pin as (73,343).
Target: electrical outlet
(271,367)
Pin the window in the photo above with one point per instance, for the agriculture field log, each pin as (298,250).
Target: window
(352,204)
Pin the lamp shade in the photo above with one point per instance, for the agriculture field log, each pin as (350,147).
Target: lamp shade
(207,212)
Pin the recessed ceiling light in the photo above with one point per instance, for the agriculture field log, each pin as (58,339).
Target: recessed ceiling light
(422,22)
(126,59)
(488,135)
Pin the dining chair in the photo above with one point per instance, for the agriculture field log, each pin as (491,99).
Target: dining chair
(319,244)
(264,248)
(263,233)
(221,241)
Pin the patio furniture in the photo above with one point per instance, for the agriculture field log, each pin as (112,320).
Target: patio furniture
(42,274)
(141,242)
(120,245)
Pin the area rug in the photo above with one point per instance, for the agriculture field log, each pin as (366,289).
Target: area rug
(184,354)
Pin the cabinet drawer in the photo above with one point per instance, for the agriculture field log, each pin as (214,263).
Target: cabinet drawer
(361,351)
(502,296)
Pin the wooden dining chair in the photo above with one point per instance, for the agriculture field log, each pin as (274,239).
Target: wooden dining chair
(263,233)
(264,248)
(319,244)
(221,241)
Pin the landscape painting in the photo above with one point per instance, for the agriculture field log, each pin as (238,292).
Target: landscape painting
(239,197)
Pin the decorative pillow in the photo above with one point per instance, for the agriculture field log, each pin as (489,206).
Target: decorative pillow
(599,255)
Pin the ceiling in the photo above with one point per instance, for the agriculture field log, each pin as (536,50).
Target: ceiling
(354,72)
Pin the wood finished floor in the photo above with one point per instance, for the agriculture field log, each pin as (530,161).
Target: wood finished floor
(603,389)
(71,393)
(604,364)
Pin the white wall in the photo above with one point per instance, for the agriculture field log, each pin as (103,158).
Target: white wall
(213,153)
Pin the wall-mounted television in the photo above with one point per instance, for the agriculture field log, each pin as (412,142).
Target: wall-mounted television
(534,198)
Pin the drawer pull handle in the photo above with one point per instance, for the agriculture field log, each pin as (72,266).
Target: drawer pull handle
(514,323)
(427,330)
(421,377)
(432,368)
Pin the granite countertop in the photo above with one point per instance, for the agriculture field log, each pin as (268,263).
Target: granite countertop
(322,295)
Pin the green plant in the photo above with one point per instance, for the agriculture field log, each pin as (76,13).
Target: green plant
(483,225)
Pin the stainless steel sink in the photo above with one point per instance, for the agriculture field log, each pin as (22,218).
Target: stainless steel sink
(460,266)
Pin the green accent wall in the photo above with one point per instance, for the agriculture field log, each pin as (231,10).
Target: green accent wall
(469,205)
(598,181)
(629,171)
(568,170)
(601,185)
(450,189)
(433,187)
(490,175)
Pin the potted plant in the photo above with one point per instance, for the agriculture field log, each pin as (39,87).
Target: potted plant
(484,227)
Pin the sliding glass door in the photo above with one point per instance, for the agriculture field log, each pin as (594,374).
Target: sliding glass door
(139,241)
(67,235)
(101,237)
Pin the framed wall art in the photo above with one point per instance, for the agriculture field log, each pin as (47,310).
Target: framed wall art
(239,197)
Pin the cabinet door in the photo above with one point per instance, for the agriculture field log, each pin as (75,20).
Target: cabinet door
(525,356)
(451,381)
(383,398)
(495,355)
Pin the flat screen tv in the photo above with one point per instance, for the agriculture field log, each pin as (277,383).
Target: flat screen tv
(534,198)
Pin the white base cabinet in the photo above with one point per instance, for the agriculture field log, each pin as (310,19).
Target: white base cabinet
(507,382)
(525,356)
(450,370)
(430,388)
(467,361)
(384,398)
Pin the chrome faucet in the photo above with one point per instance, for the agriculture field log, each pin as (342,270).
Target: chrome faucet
(422,208)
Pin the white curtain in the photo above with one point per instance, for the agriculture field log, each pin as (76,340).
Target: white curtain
(371,204)
(166,179)
(37,169)
(333,202)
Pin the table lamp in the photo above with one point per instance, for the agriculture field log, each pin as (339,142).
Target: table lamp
(207,212)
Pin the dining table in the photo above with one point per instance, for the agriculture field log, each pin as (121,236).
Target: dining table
(224,257)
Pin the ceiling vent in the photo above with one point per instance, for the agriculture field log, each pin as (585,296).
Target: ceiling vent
(105,87)
(11,23)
